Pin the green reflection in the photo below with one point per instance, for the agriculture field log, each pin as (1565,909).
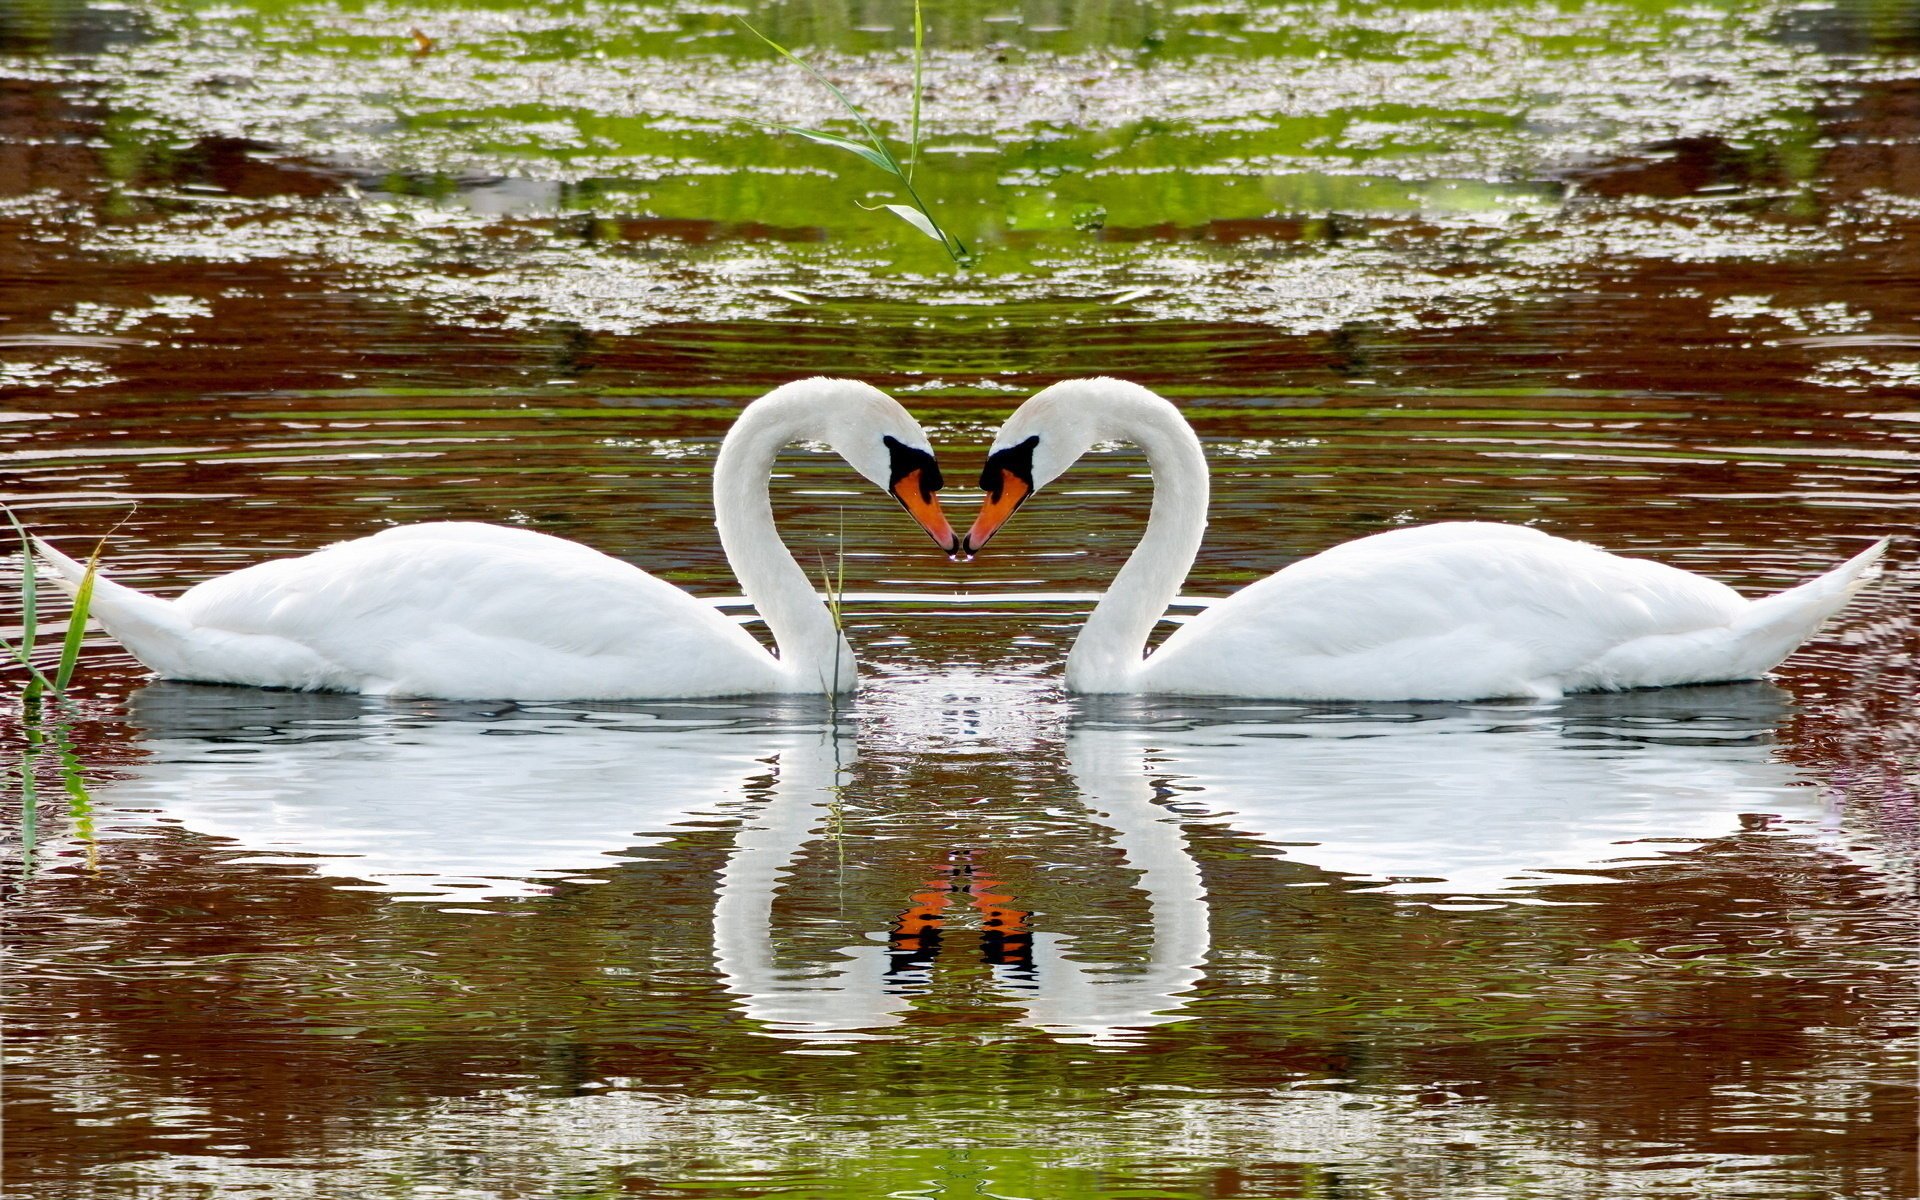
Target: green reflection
(1189,119)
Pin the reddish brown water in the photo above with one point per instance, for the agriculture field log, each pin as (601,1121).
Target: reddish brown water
(966,936)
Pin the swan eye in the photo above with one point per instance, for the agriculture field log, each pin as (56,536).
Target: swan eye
(905,460)
(1015,460)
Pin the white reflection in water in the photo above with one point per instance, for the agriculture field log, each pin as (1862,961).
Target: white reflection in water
(823,1000)
(1465,800)
(441,801)
(1077,1001)
(865,988)
(436,801)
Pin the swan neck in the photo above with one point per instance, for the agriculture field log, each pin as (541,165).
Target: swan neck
(810,648)
(1110,652)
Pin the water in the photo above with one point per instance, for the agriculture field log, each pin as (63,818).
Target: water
(1638,274)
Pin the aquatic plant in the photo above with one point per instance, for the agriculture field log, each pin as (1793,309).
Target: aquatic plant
(38,682)
(40,736)
(835,587)
(875,149)
(41,733)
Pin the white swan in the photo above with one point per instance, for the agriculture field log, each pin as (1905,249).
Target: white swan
(465,611)
(1454,611)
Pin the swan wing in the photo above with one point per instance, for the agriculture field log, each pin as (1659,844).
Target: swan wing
(1456,611)
(459,610)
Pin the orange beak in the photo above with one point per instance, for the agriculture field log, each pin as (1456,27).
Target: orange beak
(994,513)
(924,506)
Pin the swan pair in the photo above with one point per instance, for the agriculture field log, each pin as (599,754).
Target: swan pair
(1453,611)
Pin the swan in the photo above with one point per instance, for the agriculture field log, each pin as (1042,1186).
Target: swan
(1464,610)
(467,611)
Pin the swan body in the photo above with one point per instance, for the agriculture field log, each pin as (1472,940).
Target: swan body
(450,609)
(467,611)
(1453,611)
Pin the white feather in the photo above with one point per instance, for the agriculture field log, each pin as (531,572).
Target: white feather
(467,611)
(1454,611)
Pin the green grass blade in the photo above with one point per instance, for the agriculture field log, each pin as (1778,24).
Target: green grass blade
(833,614)
(917,214)
(913,137)
(921,218)
(835,140)
(852,109)
(955,248)
(29,611)
(833,596)
(29,589)
(77,622)
(835,585)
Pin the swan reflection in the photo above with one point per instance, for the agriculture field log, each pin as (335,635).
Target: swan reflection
(1098,1006)
(444,802)
(1469,800)
(438,800)
(964,910)
(1457,804)
(838,997)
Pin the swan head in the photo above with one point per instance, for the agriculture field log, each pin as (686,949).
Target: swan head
(878,438)
(1048,434)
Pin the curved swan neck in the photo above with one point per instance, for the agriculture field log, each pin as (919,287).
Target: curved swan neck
(809,645)
(1111,649)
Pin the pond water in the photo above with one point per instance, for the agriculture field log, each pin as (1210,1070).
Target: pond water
(1646,274)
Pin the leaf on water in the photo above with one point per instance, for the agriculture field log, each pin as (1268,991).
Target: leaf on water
(829,139)
(918,220)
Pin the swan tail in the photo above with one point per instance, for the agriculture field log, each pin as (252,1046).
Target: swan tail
(1773,627)
(151,628)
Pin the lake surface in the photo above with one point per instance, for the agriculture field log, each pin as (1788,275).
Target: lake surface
(1643,274)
